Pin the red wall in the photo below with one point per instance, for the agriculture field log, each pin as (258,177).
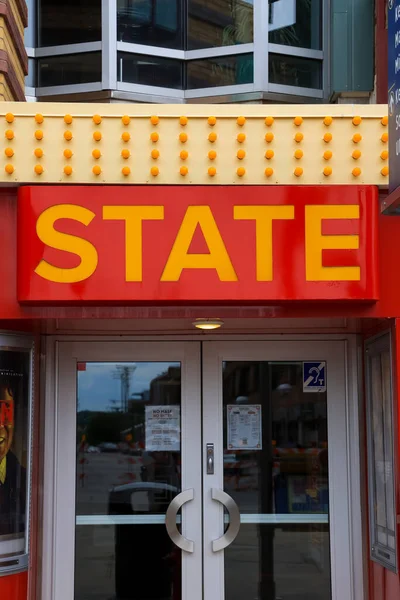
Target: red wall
(14,587)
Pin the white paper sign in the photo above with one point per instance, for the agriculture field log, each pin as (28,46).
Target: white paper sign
(244,427)
(163,429)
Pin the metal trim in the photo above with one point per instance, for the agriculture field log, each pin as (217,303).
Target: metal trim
(56,90)
(221,51)
(67,49)
(109,44)
(295,91)
(221,90)
(170,520)
(234,515)
(150,50)
(294,51)
(149,89)
(261,27)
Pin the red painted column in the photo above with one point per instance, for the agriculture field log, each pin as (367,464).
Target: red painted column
(14,587)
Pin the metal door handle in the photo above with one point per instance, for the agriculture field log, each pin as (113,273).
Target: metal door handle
(170,520)
(234,515)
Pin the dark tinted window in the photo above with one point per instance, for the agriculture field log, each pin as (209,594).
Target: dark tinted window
(213,23)
(150,70)
(69,22)
(151,22)
(305,30)
(292,70)
(70,69)
(219,71)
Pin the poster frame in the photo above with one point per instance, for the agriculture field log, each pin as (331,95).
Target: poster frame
(17,343)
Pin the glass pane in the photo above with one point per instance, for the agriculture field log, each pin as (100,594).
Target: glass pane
(128,471)
(223,23)
(220,71)
(71,22)
(153,23)
(276,470)
(14,425)
(70,69)
(306,31)
(150,70)
(378,441)
(388,440)
(292,70)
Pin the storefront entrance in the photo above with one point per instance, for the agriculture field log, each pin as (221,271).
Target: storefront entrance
(215,469)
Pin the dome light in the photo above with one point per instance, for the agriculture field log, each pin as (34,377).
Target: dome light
(208,324)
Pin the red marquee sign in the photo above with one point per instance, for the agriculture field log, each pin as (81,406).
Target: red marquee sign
(219,244)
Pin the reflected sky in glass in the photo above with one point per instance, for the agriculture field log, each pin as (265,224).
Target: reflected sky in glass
(97,387)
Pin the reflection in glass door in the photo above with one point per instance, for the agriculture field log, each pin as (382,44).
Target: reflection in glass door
(280,479)
(128,472)
(163,494)
(276,470)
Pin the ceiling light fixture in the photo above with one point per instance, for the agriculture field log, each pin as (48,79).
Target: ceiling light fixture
(208,324)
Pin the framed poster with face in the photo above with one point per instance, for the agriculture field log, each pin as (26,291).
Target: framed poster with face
(15,436)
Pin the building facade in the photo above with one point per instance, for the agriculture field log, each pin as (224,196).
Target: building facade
(199,310)
(188,51)
(14,59)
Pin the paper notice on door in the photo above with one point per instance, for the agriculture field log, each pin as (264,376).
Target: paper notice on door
(244,427)
(163,429)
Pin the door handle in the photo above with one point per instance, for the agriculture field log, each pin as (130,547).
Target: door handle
(170,520)
(234,516)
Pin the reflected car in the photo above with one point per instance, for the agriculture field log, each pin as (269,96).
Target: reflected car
(108,447)
(93,450)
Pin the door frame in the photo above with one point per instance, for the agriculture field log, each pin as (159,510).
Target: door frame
(60,456)
(352,358)
(334,353)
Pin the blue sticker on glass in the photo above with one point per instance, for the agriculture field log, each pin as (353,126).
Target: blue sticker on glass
(314,376)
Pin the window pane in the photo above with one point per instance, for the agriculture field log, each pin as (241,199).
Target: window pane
(292,70)
(305,31)
(378,442)
(150,70)
(381,459)
(388,440)
(221,23)
(14,423)
(71,22)
(128,469)
(70,69)
(154,23)
(276,470)
(220,71)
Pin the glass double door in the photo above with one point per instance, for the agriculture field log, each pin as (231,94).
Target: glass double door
(213,470)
